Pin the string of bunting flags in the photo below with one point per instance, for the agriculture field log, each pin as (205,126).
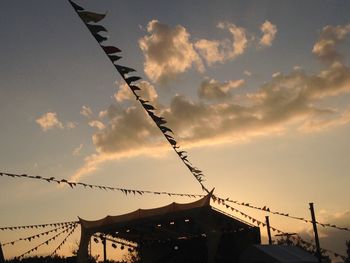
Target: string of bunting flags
(258,223)
(30,238)
(90,19)
(267,209)
(72,226)
(100,187)
(127,191)
(38,226)
(64,240)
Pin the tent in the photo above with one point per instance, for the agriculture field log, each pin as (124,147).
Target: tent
(191,232)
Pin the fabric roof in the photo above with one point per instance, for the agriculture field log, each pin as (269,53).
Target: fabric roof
(145,213)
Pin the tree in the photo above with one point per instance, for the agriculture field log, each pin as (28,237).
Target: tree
(347,243)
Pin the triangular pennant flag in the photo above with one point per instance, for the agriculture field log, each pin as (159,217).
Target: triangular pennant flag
(114,58)
(75,6)
(158,120)
(96,28)
(99,38)
(148,107)
(132,79)
(166,129)
(88,17)
(134,87)
(124,70)
(110,49)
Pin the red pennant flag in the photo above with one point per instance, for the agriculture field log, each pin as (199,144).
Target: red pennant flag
(111,49)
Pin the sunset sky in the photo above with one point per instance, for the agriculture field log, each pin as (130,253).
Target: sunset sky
(257,92)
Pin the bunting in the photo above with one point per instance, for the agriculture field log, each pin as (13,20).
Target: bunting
(263,224)
(38,226)
(47,241)
(64,240)
(267,209)
(72,184)
(30,238)
(127,191)
(88,17)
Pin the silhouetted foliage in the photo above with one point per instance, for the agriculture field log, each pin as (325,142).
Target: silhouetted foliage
(347,243)
(307,247)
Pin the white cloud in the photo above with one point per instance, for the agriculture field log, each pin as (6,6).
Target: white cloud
(330,37)
(211,50)
(269,32)
(102,114)
(168,51)
(97,124)
(49,121)
(86,111)
(289,100)
(214,51)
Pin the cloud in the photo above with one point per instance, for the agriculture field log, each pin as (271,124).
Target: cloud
(211,50)
(213,89)
(49,121)
(147,92)
(71,125)
(247,73)
(86,111)
(76,151)
(285,102)
(168,51)
(127,129)
(97,124)
(330,37)
(276,74)
(288,101)
(331,238)
(315,125)
(214,51)
(269,32)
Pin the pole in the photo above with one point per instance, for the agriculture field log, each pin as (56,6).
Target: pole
(268,229)
(318,248)
(104,241)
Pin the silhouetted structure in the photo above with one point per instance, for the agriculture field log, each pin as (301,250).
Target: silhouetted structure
(192,232)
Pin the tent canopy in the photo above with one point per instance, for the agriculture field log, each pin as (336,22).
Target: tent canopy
(207,231)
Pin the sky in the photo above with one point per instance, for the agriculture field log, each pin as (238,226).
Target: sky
(257,92)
